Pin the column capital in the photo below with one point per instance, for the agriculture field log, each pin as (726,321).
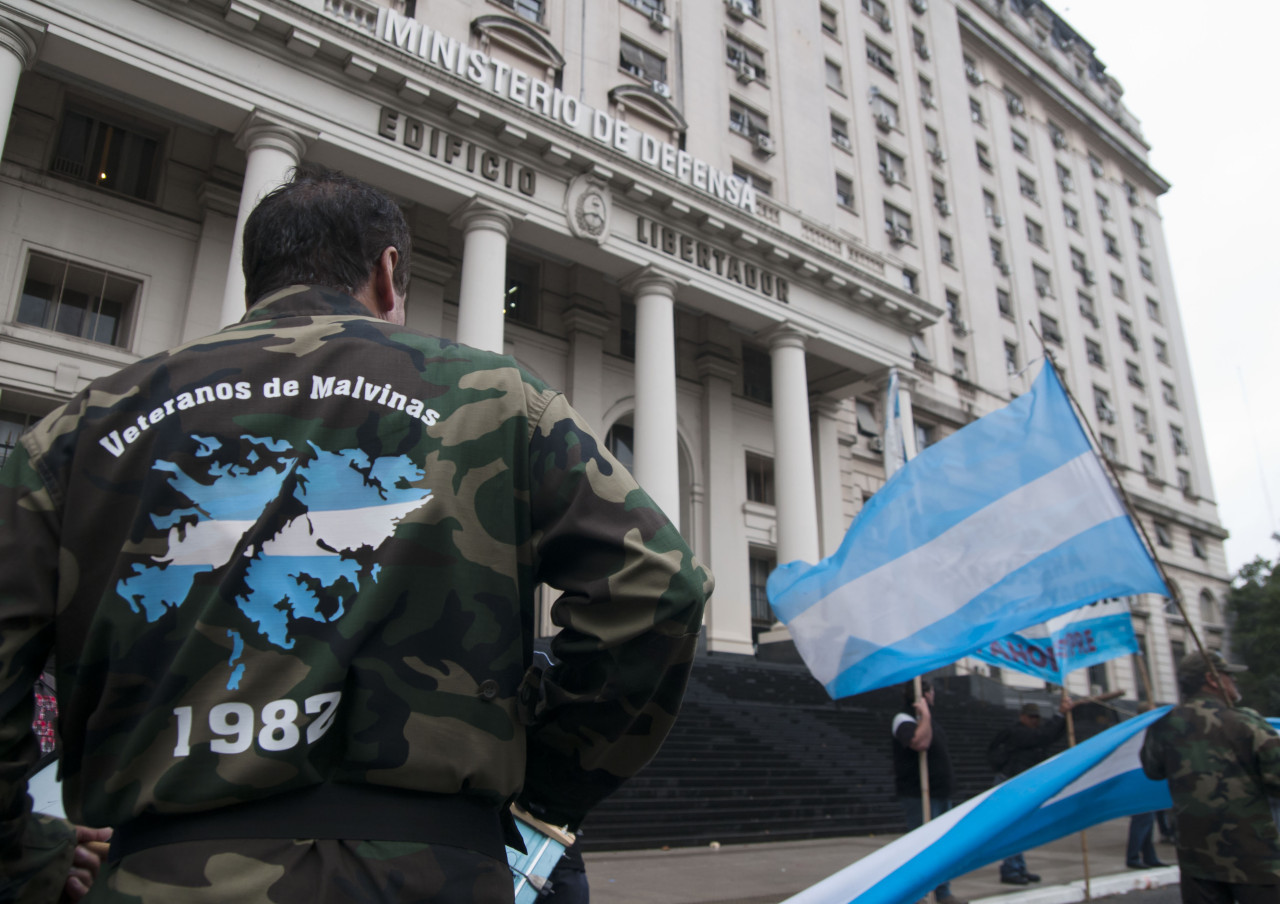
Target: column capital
(906,380)
(651,281)
(479,213)
(786,334)
(826,406)
(578,319)
(269,130)
(219,198)
(21,36)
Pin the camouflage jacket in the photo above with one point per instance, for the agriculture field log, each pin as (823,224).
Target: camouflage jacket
(1221,765)
(305,550)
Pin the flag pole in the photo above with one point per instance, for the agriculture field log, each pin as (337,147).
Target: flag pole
(1084,838)
(1174,593)
(923,760)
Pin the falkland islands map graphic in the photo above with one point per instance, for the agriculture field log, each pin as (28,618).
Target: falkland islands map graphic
(347,502)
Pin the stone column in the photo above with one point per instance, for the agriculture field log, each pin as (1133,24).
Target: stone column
(272,148)
(204,303)
(424,309)
(17,52)
(586,328)
(657,465)
(793,479)
(830,496)
(728,618)
(484,274)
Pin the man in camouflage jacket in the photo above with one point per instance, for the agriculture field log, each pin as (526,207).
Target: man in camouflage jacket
(287,576)
(1221,763)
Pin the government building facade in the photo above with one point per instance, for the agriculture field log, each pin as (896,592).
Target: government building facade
(718,226)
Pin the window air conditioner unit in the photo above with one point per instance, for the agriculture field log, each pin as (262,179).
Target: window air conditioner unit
(875,444)
(1067,184)
(928,101)
(1042,289)
(886,23)
(659,21)
(1087,275)
(889,176)
(764,144)
(939,155)
(943,207)
(923,50)
(897,235)
(1004,269)
(843,141)
(920,6)
(737,9)
(1107,416)
(1151,437)
(883,122)
(948,257)
(662,89)
(746,72)
(961,373)
(973,75)
(1016,107)
(997,220)
(961,327)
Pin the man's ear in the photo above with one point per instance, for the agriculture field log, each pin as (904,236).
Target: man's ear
(384,284)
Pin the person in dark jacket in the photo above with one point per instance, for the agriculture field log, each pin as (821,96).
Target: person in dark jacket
(1029,743)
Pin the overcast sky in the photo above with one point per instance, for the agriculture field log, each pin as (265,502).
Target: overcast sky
(1202,85)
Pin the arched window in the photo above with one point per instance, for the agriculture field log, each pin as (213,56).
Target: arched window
(1210,611)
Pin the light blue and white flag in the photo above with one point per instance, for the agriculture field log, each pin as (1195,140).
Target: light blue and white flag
(1097,780)
(896,451)
(1005,523)
(1077,640)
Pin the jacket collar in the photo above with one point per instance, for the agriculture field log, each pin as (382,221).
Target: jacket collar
(304,301)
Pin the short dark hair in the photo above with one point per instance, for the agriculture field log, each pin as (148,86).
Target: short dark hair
(322,228)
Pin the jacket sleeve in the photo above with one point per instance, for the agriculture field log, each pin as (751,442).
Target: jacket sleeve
(30,848)
(1266,751)
(630,611)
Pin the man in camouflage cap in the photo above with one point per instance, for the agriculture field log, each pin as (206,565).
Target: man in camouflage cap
(1221,762)
(287,574)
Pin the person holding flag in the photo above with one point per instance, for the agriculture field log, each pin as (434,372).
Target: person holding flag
(915,731)
(1029,742)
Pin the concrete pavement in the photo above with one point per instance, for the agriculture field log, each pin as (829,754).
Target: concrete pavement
(770,872)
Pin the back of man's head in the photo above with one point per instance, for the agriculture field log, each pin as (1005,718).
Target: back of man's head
(321,228)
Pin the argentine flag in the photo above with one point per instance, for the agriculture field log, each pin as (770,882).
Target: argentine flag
(1004,524)
(1097,780)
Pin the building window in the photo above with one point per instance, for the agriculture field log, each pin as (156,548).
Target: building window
(1163,537)
(1064,179)
(1144,267)
(1011,357)
(757,374)
(953,307)
(12,425)
(1027,186)
(96,149)
(844,191)
(926,92)
(868,426)
(1093,352)
(1058,136)
(940,197)
(762,184)
(1099,683)
(1179,441)
(746,121)
(627,331)
(531,10)
(1127,333)
(520,303)
(997,253)
(897,223)
(1044,281)
(1108,446)
(1141,420)
(1071,217)
(984,156)
(1087,310)
(1004,303)
(1050,330)
(748,60)
(947,249)
(759,479)
(880,58)
(1134,375)
(835,76)
(1169,394)
(911,281)
(761,565)
(1095,165)
(621,443)
(989,204)
(641,62)
(919,43)
(830,22)
(1139,234)
(960,361)
(1149,466)
(840,132)
(971,71)
(926,436)
(885,112)
(1020,143)
(1153,310)
(1111,245)
(892,167)
(76,300)
(933,144)
(1162,350)
(1035,232)
(1131,192)
(648,7)
(1210,611)
(1117,286)
(875,9)
(1184,481)
(975,111)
